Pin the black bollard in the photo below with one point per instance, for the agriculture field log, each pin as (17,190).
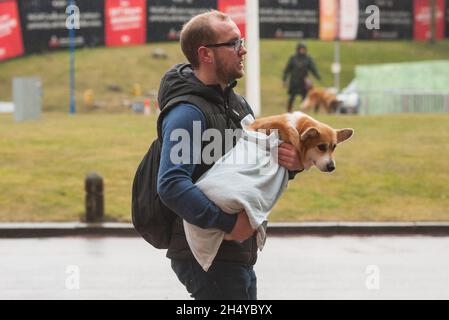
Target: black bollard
(94,197)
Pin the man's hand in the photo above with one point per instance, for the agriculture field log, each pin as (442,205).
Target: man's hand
(288,157)
(242,229)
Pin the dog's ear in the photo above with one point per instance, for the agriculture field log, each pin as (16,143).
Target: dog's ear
(344,134)
(309,133)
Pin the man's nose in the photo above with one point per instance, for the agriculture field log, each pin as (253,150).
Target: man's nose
(330,166)
(242,50)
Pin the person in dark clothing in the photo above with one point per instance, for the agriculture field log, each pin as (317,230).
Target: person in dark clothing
(193,98)
(297,69)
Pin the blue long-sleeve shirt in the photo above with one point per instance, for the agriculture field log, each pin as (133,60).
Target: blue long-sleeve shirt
(175,186)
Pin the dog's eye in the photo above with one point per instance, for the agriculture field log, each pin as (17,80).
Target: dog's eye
(322,147)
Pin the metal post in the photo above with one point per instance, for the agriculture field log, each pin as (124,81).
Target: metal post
(432,21)
(94,197)
(253,55)
(72,66)
(336,68)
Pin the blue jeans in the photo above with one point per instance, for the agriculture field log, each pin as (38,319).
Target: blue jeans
(223,280)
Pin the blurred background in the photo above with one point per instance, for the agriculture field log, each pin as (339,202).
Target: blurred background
(81,100)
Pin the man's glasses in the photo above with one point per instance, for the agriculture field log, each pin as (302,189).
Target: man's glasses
(236,44)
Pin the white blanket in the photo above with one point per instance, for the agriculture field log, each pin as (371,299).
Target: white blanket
(247,177)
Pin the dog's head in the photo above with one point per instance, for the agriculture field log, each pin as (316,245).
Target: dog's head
(331,102)
(334,105)
(314,140)
(317,145)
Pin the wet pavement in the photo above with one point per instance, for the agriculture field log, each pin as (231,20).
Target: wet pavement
(306,267)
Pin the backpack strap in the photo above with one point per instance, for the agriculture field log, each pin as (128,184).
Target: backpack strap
(197,101)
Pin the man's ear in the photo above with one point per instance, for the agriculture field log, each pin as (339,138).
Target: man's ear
(205,55)
(344,134)
(309,133)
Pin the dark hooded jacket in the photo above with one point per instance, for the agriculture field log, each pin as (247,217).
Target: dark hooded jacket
(298,67)
(222,110)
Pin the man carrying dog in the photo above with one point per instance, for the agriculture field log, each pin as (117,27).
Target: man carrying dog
(202,93)
(297,69)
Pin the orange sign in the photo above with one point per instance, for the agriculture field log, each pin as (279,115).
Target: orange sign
(328,19)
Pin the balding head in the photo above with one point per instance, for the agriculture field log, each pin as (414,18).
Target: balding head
(199,31)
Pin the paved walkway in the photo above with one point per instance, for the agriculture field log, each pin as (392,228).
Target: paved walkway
(307,267)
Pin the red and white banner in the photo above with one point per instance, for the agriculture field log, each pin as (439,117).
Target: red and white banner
(11,44)
(125,22)
(236,9)
(423,19)
(328,19)
(349,19)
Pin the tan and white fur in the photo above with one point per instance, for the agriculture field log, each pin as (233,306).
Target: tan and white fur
(314,140)
(320,98)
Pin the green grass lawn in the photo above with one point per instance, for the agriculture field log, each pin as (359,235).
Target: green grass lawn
(394,168)
(124,66)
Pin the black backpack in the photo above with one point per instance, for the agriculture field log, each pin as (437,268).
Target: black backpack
(151,218)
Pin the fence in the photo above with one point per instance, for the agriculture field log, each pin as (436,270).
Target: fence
(403,101)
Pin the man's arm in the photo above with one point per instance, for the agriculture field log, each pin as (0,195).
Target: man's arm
(175,186)
(313,69)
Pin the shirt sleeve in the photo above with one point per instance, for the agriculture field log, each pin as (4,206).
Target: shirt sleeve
(314,69)
(182,129)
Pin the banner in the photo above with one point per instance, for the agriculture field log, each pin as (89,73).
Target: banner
(44,24)
(289,19)
(125,22)
(396,20)
(166,17)
(10,34)
(28,26)
(328,19)
(423,17)
(349,19)
(236,9)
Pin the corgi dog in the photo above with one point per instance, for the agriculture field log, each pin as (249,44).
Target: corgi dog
(320,98)
(314,140)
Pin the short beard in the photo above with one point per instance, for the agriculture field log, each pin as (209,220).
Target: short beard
(223,74)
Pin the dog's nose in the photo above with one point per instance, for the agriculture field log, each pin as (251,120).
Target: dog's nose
(330,167)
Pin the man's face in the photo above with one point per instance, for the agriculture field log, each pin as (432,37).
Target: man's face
(228,59)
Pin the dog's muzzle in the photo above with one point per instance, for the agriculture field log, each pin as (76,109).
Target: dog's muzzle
(330,167)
